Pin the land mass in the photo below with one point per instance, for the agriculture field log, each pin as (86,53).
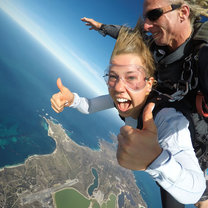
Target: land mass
(33,184)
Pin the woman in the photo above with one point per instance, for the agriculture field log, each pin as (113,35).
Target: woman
(162,147)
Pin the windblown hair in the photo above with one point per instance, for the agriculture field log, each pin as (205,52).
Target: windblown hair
(131,42)
(197,8)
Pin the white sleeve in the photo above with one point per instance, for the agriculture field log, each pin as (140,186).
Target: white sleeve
(177,169)
(93,105)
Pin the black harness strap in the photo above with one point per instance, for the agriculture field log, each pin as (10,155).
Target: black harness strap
(168,201)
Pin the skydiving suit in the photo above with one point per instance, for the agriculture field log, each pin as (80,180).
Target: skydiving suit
(180,75)
(176,170)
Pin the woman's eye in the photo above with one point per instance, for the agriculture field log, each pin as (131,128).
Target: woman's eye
(131,78)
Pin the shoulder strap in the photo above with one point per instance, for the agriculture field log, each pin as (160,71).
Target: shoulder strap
(190,50)
(163,102)
(201,32)
(198,144)
(200,39)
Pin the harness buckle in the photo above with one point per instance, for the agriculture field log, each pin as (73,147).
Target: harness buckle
(178,95)
(182,88)
(187,73)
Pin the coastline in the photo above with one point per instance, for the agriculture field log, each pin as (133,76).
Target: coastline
(75,162)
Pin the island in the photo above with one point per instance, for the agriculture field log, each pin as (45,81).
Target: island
(92,178)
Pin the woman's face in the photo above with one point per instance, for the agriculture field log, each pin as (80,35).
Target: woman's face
(127,84)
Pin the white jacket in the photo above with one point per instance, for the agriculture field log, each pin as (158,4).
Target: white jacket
(176,169)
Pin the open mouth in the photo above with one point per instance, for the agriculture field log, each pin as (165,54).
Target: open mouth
(123,104)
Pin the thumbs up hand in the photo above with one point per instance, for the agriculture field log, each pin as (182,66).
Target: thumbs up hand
(137,149)
(61,99)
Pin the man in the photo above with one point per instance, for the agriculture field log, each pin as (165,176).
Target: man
(175,37)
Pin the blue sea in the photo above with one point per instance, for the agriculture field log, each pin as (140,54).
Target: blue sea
(28,80)
(28,76)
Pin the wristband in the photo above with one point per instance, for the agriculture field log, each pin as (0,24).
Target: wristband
(102,30)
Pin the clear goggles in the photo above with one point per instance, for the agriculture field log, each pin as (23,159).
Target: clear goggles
(133,76)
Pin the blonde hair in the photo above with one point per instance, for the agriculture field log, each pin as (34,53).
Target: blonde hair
(131,42)
(197,8)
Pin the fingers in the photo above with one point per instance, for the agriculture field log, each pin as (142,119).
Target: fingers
(121,141)
(91,22)
(57,102)
(88,24)
(88,20)
(125,152)
(60,85)
(121,151)
(202,204)
(84,19)
(92,27)
(62,99)
(126,130)
(121,157)
(137,148)
(148,121)
(67,95)
(147,114)
(57,111)
(124,138)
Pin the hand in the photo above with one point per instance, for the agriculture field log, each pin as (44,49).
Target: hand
(137,149)
(94,25)
(202,204)
(61,99)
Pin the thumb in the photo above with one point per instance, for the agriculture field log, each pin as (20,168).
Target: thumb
(60,85)
(126,130)
(148,121)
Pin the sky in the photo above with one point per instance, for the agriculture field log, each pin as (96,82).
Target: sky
(56,25)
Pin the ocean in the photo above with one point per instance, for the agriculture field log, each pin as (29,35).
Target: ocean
(26,99)
(22,128)
(23,131)
(28,79)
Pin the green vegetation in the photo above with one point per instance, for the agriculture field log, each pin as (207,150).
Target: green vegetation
(70,198)
(111,203)
(95,204)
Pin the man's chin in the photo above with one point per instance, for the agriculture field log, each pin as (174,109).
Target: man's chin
(160,42)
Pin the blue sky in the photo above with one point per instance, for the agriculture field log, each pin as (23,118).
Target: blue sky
(56,25)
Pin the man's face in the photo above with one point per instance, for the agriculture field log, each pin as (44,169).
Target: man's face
(165,29)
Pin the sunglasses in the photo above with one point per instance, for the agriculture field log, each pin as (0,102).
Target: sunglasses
(155,14)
